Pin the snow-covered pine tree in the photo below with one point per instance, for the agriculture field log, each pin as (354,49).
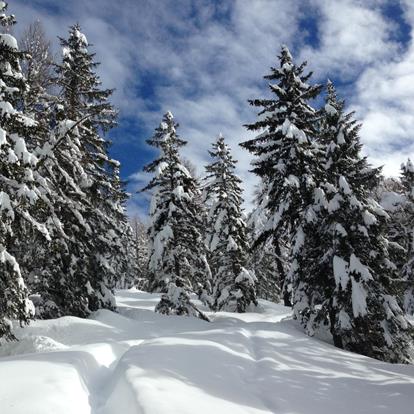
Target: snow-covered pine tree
(20,185)
(407,179)
(37,102)
(80,276)
(285,153)
(346,262)
(177,264)
(234,285)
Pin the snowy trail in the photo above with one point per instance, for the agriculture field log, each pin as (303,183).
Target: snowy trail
(139,362)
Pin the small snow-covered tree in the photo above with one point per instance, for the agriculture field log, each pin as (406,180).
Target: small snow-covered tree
(347,274)
(177,264)
(234,285)
(286,157)
(20,185)
(37,68)
(407,180)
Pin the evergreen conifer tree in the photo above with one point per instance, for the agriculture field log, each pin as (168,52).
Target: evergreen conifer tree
(177,264)
(88,246)
(37,102)
(21,186)
(234,285)
(346,273)
(286,157)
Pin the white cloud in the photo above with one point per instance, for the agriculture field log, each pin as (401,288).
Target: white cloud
(357,45)
(384,99)
(352,34)
(205,59)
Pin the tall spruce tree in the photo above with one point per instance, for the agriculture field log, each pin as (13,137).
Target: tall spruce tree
(177,264)
(37,102)
(407,180)
(286,155)
(234,285)
(347,274)
(81,274)
(21,186)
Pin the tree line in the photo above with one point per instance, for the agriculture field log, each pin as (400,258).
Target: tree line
(318,238)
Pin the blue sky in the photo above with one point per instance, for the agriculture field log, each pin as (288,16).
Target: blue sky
(203,59)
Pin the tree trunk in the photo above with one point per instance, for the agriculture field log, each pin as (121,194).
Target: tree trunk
(282,273)
(337,340)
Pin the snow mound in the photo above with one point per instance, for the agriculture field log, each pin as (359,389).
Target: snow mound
(30,345)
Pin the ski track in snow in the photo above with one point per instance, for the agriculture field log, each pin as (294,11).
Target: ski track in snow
(138,362)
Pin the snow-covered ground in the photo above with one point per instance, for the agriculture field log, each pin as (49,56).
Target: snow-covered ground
(139,362)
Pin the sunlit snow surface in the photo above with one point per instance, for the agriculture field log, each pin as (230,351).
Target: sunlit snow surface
(139,362)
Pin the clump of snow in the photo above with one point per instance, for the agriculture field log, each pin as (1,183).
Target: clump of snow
(290,130)
(82,38)
(369,218)
(356,266)
(287,67)
(330,110)
(231,244)
(340,138)
(359,299)
(9,41)
(31,344)
(245,275)
(340,268)
(334,203)
(343,185)
(3,139)
(5,204)
(292,181)
(391,201)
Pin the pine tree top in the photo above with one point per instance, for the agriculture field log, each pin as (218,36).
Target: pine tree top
(407,179)
(287,117)
(165,136)
(80,85)
(339,132)
(221,180)
(221,153)
(408,167)
(168,166)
